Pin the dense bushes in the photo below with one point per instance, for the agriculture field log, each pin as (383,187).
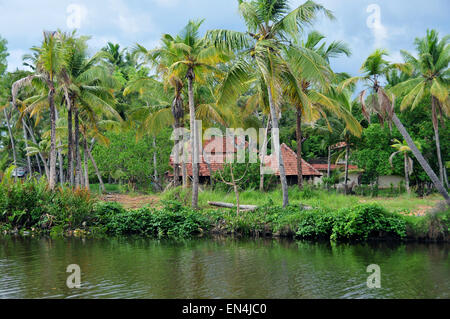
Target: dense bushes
(359,223)
(30,204)
(172,220)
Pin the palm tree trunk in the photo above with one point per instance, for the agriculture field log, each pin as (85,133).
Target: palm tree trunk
(85,159)
(11,137)
(78,177)
(299,149)
(60,158)
(420,158)
(51,100)
(70,156)
(329,162)
(38,165)
(236,191)
(407,174)
(274,116)
(436,134)
(44,161)
(329,167)
(347,153)
(155,166)
(208,163)
(194,143)
(97,172)
(263,153)
(25,137)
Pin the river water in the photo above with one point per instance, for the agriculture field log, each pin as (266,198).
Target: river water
(220,268)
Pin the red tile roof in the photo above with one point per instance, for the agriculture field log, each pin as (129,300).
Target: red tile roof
(218,159)
(290,163)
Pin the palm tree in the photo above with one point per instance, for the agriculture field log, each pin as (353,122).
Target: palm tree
(270,24)
(403,149)
(161,58)
(49,62)
(375,68)
(312,76)
(85,85)
(350,127)
(430,78)
(194,58)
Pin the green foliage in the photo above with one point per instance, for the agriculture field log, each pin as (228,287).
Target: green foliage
(367,221)
(171,221)
(132,160)
(30,204)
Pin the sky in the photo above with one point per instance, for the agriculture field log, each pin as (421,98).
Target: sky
(364,24)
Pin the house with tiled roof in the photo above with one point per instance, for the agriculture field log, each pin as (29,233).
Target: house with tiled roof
(290,165)
(217,150)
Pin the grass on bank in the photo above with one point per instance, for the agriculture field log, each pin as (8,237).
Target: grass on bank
(310,197)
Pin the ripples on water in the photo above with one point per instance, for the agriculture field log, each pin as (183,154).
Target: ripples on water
(219,268)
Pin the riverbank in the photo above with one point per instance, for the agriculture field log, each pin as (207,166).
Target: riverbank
(30,208)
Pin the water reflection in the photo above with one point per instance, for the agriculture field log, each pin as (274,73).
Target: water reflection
(220,268)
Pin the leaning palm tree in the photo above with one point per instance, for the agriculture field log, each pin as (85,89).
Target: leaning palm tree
(431,78)
(375,69)
(403,149)
(271,24)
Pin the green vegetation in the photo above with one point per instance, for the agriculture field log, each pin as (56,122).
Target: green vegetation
(32,206)
(77,119)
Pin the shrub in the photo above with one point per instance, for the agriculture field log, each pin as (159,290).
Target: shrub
(367,221)
(165,222)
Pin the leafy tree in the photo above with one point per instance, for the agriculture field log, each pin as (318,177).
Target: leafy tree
(269,26)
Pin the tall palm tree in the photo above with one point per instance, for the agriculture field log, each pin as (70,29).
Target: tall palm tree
(161,59)
(312,76)
(375,69)
(350,127)
(195,59)
(431,77)
(271,24)
(49,60)
(403,149)
(86,85)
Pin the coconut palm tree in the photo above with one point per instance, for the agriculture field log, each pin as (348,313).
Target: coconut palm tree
(375,69)
(195,59)
(161,58)
(431,77)
(85,85)
(271,24)
(49,61)
(312,77)
(404,149)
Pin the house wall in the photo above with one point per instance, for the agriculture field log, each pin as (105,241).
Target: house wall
(385,181)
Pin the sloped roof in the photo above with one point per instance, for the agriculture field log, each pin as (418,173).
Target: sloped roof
(290,163)
(217,161)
